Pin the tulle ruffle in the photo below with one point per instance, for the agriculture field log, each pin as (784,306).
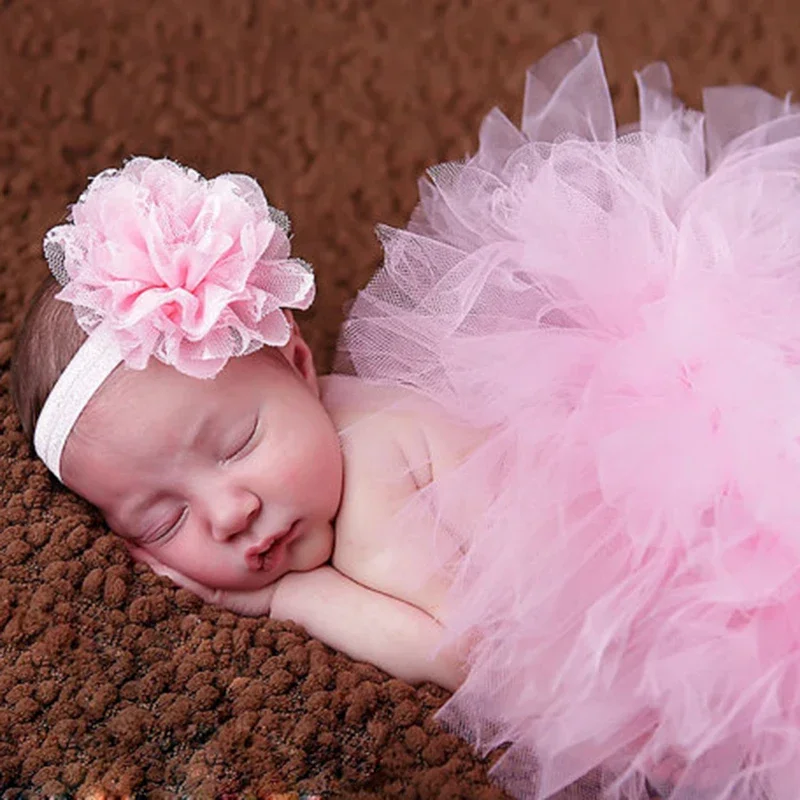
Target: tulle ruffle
(622,309)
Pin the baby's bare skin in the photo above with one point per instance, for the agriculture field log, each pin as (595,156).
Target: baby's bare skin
(269,451)
(369,601)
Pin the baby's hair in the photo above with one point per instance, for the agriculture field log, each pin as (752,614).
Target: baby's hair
(46,343)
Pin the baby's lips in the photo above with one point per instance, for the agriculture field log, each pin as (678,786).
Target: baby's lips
(253,554)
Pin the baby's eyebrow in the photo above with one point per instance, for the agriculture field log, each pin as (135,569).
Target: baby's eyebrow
(199,430)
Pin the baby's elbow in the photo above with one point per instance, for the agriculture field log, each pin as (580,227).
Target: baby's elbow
(450,676)
(443,670)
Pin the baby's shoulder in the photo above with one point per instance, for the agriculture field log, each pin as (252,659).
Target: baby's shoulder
(377,422)
(392,448)
(378,426)
(394,442)
(397,444)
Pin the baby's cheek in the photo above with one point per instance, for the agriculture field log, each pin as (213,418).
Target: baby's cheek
(286,473)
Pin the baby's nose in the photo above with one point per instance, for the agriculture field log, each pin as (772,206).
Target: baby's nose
(233,513)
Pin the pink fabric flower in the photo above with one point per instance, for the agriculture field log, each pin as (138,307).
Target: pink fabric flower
(189,270)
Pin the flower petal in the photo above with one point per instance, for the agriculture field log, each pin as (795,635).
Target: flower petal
(184,269)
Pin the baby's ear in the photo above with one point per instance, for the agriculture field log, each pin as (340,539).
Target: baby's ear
(293,322)
(299,355)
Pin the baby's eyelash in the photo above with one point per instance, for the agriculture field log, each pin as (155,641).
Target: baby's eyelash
(161,535)
(243,446)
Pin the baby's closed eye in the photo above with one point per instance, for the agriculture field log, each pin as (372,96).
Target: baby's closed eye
(243,441)
(163,533)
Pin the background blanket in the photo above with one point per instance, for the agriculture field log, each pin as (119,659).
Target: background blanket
(112,682)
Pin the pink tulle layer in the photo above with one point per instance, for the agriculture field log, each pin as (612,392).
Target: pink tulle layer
(622,308)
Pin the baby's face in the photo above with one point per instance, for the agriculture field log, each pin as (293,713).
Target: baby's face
(232,482)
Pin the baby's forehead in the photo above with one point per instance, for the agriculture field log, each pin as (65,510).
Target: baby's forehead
(145,411)
(143,403)
(144,424)
(162,388)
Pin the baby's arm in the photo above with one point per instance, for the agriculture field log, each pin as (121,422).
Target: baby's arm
(367,625)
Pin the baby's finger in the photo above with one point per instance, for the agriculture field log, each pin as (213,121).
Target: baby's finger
(250,603)
(204,592)
(141,555)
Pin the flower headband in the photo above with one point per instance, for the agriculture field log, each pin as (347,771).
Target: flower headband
(158,261)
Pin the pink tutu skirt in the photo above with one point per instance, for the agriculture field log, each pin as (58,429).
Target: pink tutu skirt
(621,308)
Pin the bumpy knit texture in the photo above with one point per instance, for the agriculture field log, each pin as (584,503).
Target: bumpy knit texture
(112,682)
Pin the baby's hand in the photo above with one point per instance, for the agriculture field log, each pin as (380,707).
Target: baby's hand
(367,625)
(249,603)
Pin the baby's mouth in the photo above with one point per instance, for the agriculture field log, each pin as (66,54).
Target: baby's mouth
(264,555)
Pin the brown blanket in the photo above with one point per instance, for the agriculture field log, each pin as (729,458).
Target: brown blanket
(112,682)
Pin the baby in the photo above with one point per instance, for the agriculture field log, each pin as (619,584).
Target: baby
(235,475)
(557,469)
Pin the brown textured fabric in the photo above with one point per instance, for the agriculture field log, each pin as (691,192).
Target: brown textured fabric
(113,683)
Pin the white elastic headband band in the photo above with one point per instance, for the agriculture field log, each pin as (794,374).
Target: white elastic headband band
(90,366)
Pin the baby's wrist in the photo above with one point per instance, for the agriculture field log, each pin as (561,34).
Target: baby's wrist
(284,592)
